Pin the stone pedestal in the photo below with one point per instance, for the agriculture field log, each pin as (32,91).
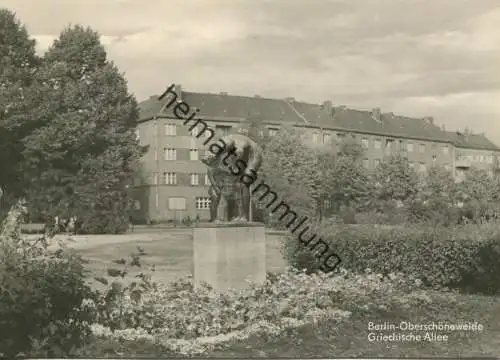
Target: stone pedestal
(227,254)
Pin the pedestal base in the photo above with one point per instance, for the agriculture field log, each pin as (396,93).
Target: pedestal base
(228,254)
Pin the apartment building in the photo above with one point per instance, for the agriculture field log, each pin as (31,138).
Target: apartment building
(473,150)
(174,183)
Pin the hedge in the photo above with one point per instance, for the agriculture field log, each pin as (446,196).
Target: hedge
(463,257)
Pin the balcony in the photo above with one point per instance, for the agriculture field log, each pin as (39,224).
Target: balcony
(462,163)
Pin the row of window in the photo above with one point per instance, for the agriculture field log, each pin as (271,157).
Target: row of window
(475,157)
(377,143)
(170,178)
(171,154)
(179,203)
(194,154)
(171,130)
(422,165)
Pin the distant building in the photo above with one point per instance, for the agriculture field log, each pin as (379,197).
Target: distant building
(174,182)
(473,150)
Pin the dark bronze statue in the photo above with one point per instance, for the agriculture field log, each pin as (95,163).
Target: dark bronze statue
(228,160)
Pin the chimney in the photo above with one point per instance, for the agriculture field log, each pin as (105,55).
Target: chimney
(290,99)
(376,114)
(223,93)
(429,120)
(328,106)
(178,91)
(257,96)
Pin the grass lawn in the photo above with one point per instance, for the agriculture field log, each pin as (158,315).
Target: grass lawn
(170,251)
(350,338)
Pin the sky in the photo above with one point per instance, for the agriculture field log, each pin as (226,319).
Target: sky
(415,58)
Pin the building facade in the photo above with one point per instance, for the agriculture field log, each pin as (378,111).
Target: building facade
(173,183)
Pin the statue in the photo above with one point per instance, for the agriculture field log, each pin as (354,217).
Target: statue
(225,181)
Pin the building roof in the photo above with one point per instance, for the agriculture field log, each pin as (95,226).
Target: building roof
(237,108)
(471,141)
(389,124)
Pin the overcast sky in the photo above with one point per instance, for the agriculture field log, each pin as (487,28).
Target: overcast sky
(411,57)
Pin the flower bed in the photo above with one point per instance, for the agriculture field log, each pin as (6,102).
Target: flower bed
(193,321)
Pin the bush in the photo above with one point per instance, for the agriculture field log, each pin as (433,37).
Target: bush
(42,296)
(461,257)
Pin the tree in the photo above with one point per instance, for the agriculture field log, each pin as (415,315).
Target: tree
(289,169)
(308,176)
(480,194)
(18,62)
(438,197)
(82,154)
(394,182)
(347,179)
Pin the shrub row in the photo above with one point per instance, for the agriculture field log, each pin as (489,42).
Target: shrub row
(462,257)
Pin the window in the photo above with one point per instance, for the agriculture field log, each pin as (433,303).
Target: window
(366,163)
(177,203)
(194,179)
(155,178)
(203,203)
(402,145)
(421,148)
(422,167)
(272,131)
(315,138)
(388,145)
(156,154)
(137,205)
(340,136)
(376,162)
(327,138)
(447,167)
(365,142)
(377,144)
(207,180)
(410,147)
(137,135)
(490,159)
(170,130)
(412,165)
(261,133)
(170,154)
(169,178)
(243,131)
(434,157)
(327,204)
(445,149)
(157,199)
(481,158)
(194,154)
(223,130)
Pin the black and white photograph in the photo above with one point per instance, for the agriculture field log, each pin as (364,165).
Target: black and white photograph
(249,179)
